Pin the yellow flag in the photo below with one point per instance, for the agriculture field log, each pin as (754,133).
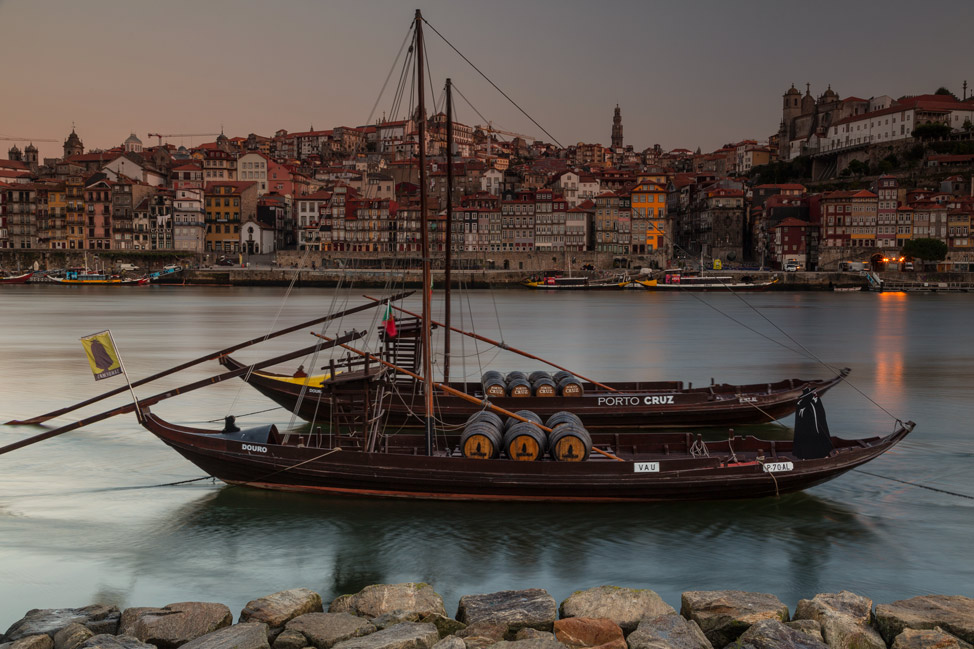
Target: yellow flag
(102,355)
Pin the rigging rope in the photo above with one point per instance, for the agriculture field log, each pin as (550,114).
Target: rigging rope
(915,484)
(514,103)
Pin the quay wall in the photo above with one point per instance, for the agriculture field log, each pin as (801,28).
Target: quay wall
(413,616)
(374,270)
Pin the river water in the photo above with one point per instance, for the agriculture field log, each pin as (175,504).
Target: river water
(83,518)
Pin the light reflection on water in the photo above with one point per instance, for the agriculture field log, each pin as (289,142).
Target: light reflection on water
(74,529)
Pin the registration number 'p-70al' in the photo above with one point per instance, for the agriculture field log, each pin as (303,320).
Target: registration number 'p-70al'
(774,467)
(646,467)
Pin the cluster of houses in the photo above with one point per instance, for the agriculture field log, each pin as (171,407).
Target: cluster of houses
(354,190)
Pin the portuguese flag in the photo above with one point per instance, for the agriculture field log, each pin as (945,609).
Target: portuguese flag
(390,322)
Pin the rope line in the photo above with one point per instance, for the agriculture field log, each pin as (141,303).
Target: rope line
(916,484)
(514,103)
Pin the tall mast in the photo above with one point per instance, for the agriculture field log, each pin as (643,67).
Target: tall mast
(424,222)
(449,227)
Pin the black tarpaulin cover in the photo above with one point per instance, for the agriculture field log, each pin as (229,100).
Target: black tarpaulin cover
(812,437)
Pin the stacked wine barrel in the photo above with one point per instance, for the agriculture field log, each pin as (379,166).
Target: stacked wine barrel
(538,384)
(486,436)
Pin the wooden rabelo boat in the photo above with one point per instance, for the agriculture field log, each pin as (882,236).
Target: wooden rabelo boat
(86,278)
(644,404)
(556,281)
(691,280)
(16,279)
(630,468)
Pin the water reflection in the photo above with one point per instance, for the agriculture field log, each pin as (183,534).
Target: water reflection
(341,545)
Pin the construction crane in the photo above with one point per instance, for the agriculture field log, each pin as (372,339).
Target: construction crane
(168,135)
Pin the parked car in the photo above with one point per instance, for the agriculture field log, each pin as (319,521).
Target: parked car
(225,261)
(907,265)
(792,267)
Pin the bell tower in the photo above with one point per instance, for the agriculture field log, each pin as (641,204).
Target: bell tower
(617,129)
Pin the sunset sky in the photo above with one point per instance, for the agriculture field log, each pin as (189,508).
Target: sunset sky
(686,74)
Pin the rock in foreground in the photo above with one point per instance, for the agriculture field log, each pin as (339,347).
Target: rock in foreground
(624,606)
(772,634)
(668,632)
(518,609)
(954,614)
(380,599)
(723,615)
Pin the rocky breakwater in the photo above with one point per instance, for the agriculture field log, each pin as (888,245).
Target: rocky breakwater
(412,616)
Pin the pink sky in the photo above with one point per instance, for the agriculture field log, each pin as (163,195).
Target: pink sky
(685,74)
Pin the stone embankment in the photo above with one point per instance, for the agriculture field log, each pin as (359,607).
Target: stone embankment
(412,616)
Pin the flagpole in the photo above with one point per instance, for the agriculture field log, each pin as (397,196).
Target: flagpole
(121,365)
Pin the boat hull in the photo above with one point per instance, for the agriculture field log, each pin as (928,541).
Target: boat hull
(647,477)
(16,279)
(632,405)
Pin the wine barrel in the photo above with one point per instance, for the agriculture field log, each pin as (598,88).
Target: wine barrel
(524,414)
(481,440)
(518,388)
(485,415)
(563,417)
(544,387)
(570,387)
(516,374)
(570,443)
(538,374)
(561,375)
(495,386)
(525,442)
(491,374)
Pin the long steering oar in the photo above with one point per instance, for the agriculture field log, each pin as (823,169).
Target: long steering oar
(148,401)
(501,345)
(209,357)
(449,390)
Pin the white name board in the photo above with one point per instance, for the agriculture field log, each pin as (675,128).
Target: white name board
(646,467)
(774,467)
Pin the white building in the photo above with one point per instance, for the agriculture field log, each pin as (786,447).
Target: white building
(252,167)
(189,225)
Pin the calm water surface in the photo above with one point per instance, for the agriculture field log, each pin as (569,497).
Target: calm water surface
(82,518)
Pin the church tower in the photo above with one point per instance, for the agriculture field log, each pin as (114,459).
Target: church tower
(73,145)
(617,129)
(30,156)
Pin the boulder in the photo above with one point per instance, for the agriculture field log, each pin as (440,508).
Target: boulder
(478,642)
(953,613)
(534,634)
(246,635)
(450,642)
(106,641)
(493,630)
(99,618)
(518,609)
(773,634)
(445,625)
(278,609)
(845,619)
(583,632)
(378,599)
(624,606)
(290,639)
(126,624)
(71,636)
(393,618)
(723,615)
(935,638)
(325,630)
(408,635)
(669,631)
(532,643)
(39,641)
(810,628)
(176,624)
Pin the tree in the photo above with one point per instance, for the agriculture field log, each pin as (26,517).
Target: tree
(926,249)
(931,130)
(858,167)
(943,91)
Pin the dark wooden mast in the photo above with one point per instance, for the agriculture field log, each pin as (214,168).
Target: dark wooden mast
(449,229)
(425,240)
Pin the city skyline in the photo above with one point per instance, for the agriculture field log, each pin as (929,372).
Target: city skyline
(692,76)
